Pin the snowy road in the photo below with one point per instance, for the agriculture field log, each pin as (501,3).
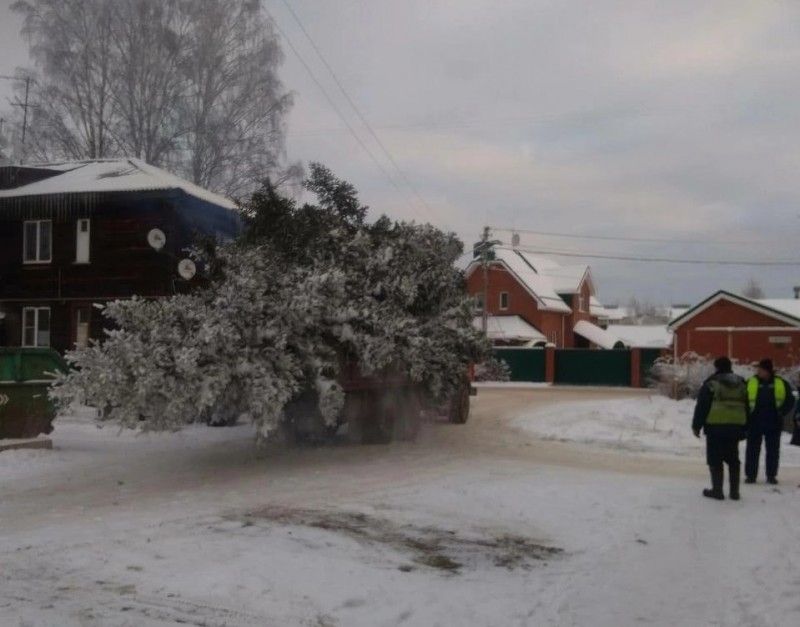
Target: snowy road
(460,529)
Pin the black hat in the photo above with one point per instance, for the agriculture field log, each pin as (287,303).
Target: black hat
(766,364)
(723,365)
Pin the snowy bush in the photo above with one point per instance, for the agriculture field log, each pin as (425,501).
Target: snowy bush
(683,378)
(493,369)
(271,325)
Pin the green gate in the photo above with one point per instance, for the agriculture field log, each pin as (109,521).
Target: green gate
(527,364)
(593,367)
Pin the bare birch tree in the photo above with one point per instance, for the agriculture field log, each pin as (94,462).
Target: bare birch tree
(235,105)
(148,53)
(71,44)
(190,85)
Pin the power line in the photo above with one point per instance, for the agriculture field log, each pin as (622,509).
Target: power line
(703,262)
(644,240)
(339,112)
(356,109)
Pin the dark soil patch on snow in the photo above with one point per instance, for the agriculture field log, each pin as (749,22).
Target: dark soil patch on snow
(440,549)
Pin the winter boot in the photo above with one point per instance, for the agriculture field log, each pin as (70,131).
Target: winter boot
(716,484)
(734,470)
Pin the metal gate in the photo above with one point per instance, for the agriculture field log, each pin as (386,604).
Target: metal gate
(593,367)
(527,364)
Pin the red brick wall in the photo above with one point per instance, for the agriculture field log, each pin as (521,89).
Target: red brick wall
(570,340)
(520,302)
(746,347)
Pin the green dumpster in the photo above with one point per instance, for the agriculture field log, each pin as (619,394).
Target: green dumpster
(25,375)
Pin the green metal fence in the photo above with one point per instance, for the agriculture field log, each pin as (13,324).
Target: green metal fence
(593,367)
(527,364)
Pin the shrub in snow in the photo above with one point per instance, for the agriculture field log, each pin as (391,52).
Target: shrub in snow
(493,369)
(683,378)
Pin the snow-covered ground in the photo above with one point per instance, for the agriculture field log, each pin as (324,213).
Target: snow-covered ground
(468,527)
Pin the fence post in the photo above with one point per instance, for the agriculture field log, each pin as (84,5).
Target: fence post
(636,368)
(550,364)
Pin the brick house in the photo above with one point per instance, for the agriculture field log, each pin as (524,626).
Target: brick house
(532,301)
(747,330)
(77,234)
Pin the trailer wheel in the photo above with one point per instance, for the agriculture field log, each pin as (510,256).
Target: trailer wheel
(459,405)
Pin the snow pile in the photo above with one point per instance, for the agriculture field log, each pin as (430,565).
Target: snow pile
(647,424)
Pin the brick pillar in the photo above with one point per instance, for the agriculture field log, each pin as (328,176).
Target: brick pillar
(636,368)
(550,364)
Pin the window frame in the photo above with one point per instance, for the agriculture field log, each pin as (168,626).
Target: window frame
(582,303)
(504,307)
(37,244)
(88,234)
(36,327)
(479,302)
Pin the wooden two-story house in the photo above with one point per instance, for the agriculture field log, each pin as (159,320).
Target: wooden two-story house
(77,234)
(531,300)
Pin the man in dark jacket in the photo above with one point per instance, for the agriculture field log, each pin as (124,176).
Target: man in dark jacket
(721,411)
(769,399)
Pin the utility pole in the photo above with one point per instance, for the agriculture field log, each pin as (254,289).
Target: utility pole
(486,249)
(25,105)
(485,267)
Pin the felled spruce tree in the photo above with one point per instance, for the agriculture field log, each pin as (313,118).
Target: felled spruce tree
(305,287)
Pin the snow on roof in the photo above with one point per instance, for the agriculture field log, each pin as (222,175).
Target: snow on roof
(790,306)
(644,336)
(596,335)
(565,279)
(540,286)
(107,176)
(598,309)
(510,329)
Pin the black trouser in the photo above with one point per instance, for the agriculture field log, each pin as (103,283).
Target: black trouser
(772,439)
(722,448)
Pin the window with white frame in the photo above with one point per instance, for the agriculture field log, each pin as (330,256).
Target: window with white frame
(36,327)
(503,300)
(82,242)
(479,301)
(38,241)
(581,303)
(554,338)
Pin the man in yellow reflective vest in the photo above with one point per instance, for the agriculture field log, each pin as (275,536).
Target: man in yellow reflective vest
(769,399)
(721,412)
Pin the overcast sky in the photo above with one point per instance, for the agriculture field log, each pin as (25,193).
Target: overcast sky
(615,118)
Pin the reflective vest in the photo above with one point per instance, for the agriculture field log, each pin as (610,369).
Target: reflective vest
(754,384)
(728,406)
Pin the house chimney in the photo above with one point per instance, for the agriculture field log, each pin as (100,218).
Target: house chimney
(797,292)
(515,241)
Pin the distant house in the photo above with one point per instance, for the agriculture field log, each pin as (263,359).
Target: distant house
(644,336)
(76,234)
(745,329)
(532,301)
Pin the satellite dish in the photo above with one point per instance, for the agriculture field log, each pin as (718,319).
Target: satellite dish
(156,239)
(187,269)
